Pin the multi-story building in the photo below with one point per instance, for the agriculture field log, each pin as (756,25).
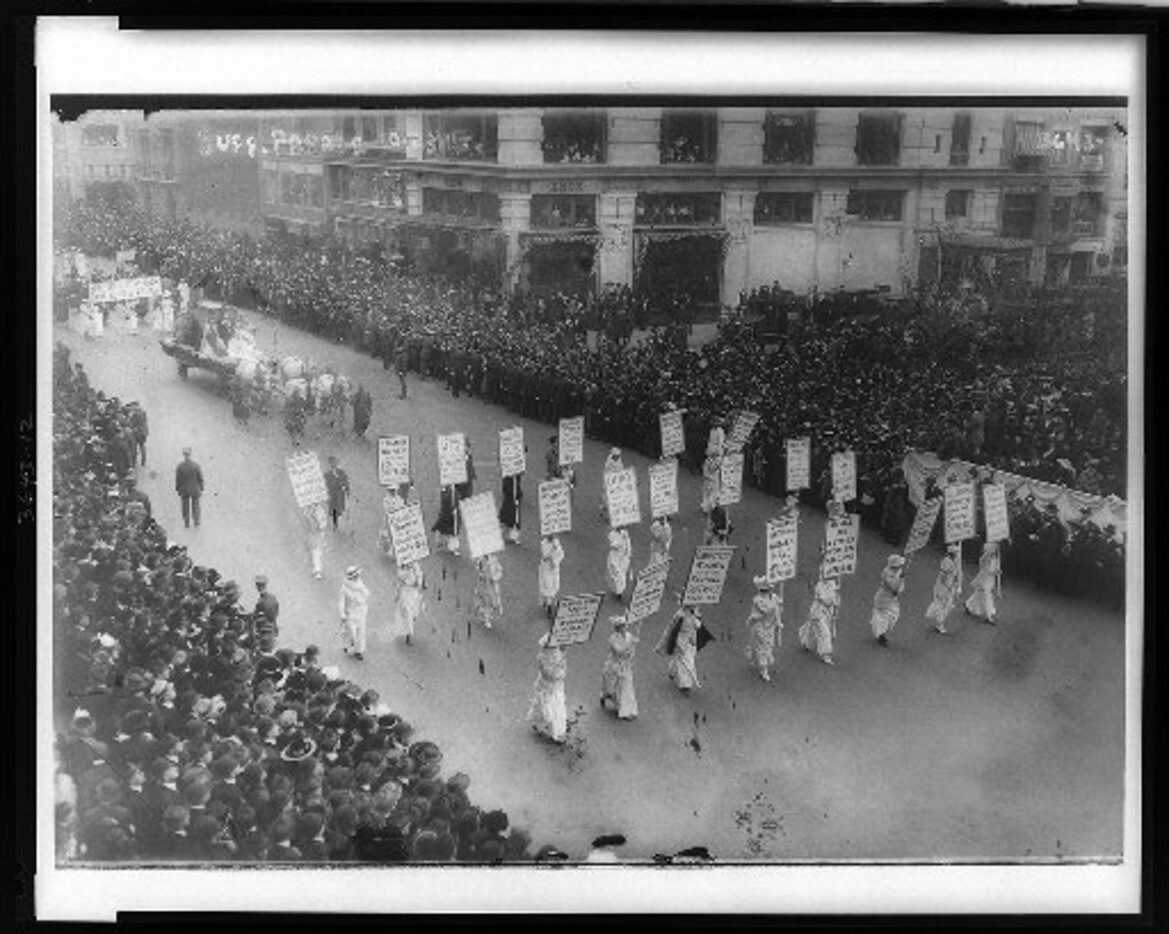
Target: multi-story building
(94,156)
(201,165)
(716,201)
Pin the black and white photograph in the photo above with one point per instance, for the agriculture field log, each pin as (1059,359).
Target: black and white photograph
(695,462)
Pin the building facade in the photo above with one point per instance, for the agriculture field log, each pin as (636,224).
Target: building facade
(716,202)
(94,156)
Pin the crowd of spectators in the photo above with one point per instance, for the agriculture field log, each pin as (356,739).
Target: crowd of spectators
(186,733)
(947,378)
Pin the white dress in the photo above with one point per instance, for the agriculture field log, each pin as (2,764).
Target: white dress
(617,565)
(820,629)
(945,592)
(711,481)
(548,712)
(981,600)
(683,665)
(488,603)
(408,605)
(617,675)
(662,536)
(887,603)
(765,625)
(551,555)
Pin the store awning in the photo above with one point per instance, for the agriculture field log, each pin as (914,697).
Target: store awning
(985,242)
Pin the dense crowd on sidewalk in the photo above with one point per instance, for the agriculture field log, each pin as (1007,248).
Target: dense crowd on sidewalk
(187,733)
(948,379)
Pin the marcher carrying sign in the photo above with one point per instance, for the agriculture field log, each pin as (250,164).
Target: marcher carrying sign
(799,463)
(782,541)
(960,512)
(708,574)
(308,480)
(923,524)
(673,438)
(621,497)
(571,441)
(481,522)
(408,534)
(125,290)
(393,460)
(452,459)
(511,451)
(998,521)
(555,507)
(576,616)
(663,489)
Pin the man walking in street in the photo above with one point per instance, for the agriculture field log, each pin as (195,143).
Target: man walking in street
(337,483)
(189,486)
(267,609)
(140,428)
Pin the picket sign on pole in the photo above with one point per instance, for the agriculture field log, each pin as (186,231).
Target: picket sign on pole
(555,501)
(798,463)
(673,437)
(960,512)
(571,441)
(576,617)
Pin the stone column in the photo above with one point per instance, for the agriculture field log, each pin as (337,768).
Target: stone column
(739,220)
(413,126)
(615,254)
(515,211)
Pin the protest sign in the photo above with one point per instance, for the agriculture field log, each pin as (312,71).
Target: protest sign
(647,592)
(575,618)
(708,574)
(745,423)
(621,497)
(960,512)
(673,438)
(308,481)
(481,523)
(571,440)
(663,489)
(998,522)
(125,290)
(923,524)
(555,507)
(393,460)
(408,533)
(782,540)
(511,451)
(842,533)
(799,463)
(730,484)
(844,476)
(452,459)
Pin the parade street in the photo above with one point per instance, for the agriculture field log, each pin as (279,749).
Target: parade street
(991,742)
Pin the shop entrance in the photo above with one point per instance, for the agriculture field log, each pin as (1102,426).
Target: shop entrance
(565,267)
(680,278)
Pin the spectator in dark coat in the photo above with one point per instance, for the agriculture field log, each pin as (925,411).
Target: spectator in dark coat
(189,486)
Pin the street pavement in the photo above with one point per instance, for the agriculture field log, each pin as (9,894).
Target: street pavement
(996,743)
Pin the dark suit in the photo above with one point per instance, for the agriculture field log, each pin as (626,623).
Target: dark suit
(189,486)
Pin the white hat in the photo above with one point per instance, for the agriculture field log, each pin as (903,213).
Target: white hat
(614,452)
(896,561)
(353,572)
(954,547)
(618,621)
(762,583)
(545,640)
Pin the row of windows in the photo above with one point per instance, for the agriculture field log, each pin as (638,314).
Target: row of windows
(109,171)
(287,186)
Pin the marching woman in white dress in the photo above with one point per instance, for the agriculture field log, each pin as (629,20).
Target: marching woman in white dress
(488,603)
(661,538)
(617,676)
(681,642)
(887,600)
(946,588)
(551,555)
(617,564)
(548,712)
(987,583)
(765,625)
(819,631)
(711,481)
(316,521)
(408,604)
